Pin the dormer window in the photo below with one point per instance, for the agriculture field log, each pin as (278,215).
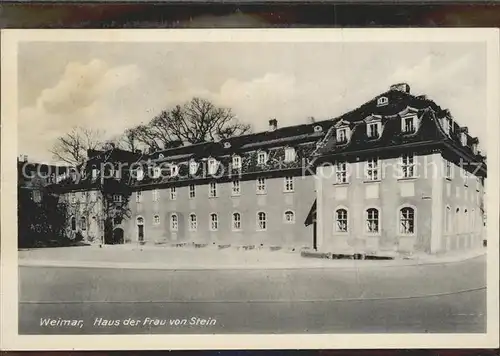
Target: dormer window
(463,139)
(290,154)
(342,135)
(227,144)
(409,124)
(446,123)
(94,173)
(213,165)
(193,167)
(474,148)
(318,128)
(373,129)
(156,172)
(174,170)
(383,100)
(140,174)
(262,158)
(236,161)
(160,156)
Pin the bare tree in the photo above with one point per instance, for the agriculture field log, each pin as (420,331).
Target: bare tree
(72,147)
(129,140)
(196,121)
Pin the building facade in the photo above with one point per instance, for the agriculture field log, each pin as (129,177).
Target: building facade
(396,174)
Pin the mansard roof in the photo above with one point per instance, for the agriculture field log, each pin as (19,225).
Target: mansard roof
(399,104)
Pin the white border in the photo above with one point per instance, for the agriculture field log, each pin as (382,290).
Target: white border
(9,289)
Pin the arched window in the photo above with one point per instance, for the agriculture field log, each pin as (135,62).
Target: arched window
(341,222)
(372,221)
(383,100)
(174,222)
(156,219)
(214,222)
(261,221)
(289,217)
(83,223)
(236,221)
(140,220)
(73,223)
(407,221)
(448,220)
(193,222)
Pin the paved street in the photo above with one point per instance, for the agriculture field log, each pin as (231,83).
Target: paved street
(428,298)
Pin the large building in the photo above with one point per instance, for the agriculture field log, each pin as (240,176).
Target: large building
(396,174)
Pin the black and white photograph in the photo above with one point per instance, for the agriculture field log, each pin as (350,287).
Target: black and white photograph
(314,187)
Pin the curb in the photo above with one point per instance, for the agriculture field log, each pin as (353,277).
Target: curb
(326,264)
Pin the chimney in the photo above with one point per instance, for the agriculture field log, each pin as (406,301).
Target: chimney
(273,125)
(404,87)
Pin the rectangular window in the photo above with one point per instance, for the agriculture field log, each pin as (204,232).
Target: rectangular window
(235,188)
(213,165)
(94,173)
(372,130)
(156,172)
(409,124)
(155,194)
(37,197)
(290,154)
(341,220)
(288,184)
(173,193)
(212,190)
(174,170)
(261,185)
(214,222)
(192,191)
(342,135)
(408,166)
(193,168)
(117,198)
(138,197)
(447,172)
(262,158)
(236,162)
(372,169)
(341,172)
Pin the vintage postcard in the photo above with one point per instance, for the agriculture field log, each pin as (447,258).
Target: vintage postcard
(194,189)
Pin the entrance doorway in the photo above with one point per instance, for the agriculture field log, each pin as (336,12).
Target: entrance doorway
(140,229)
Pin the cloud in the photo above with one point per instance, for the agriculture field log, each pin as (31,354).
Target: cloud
(85,95)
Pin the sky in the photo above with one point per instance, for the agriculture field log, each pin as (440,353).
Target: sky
(113,86)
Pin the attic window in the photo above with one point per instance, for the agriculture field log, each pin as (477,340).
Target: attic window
(409,124)
(161,155)
(227,144)
(236,161)
(318,128)
(262,157)
(446,123)
(139,174)
(156,172)
(463,138)
(213,165)
(373,129)
(193,167)
(383,100)
(174,170)
(289,154)
(342,135)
